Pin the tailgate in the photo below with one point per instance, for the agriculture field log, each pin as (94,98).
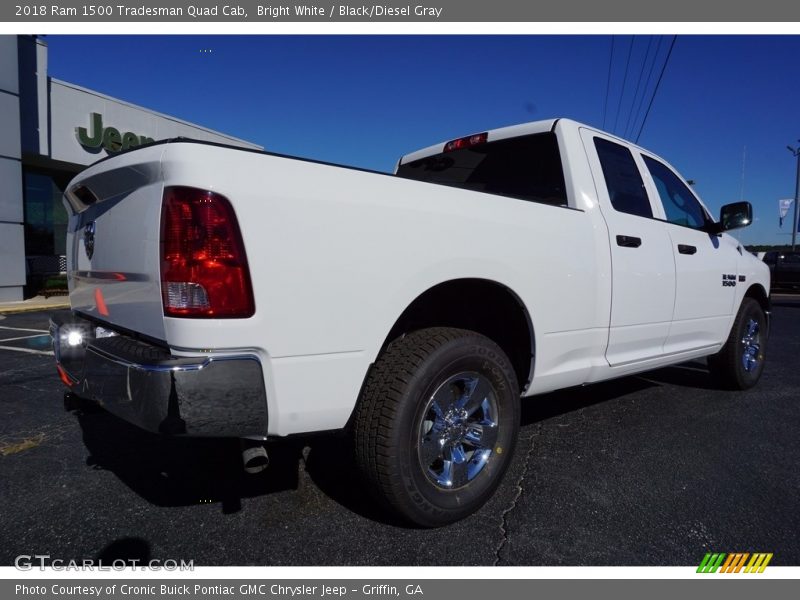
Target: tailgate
(113,255)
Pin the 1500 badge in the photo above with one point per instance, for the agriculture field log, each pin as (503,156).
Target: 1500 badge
(728,280)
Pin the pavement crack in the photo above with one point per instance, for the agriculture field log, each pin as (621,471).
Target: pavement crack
(504,517)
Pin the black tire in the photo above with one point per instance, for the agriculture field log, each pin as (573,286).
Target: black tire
(740,362)
(411,408)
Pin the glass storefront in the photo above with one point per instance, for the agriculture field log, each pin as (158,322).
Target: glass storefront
(45,230)
(45,216)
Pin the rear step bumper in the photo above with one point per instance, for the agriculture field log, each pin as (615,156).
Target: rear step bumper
(144,384)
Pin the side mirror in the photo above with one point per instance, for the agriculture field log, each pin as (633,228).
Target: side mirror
(733,216)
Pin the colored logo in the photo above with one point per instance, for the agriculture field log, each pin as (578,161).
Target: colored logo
(109,138)
(735,562)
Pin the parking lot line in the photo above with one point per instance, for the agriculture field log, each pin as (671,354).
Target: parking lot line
(28,350)
(23,329)
(24,337)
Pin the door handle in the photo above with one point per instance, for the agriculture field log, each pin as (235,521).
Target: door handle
(686,249)
(628,241)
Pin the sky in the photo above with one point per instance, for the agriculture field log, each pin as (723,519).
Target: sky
(723,114)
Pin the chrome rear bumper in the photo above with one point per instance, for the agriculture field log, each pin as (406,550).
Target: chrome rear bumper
(144,384)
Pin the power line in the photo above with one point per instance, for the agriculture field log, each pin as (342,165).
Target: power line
(608,81)
(624,80)
(647,84)
(638,85)
(658,83)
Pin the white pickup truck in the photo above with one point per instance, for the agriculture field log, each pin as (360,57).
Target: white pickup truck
(226,292)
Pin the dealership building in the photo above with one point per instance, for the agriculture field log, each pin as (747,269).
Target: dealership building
(52,130)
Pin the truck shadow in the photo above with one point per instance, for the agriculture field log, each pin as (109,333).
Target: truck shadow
(691,374)
(175,471)
(128,550)
(561,402)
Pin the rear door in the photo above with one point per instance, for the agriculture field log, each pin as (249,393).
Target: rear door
(643,267)
(706,265)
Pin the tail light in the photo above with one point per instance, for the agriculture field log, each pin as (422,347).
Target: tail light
(204,269)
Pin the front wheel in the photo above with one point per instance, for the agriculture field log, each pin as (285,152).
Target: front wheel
(740,362)
(436,424)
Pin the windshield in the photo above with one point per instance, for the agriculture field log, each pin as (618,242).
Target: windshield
(526,167)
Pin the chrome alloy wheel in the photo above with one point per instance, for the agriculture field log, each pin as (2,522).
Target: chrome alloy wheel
(751,342)
(458,430)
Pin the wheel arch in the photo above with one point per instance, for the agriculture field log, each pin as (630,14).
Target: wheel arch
(759,294)
(482,305)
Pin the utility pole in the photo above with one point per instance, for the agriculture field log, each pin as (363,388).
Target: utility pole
(796,154)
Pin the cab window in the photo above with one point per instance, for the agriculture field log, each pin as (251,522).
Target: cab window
(527,167)
(623,180)
(680,205)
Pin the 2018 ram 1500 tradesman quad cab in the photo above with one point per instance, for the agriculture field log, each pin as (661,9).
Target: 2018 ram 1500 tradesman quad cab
(219,291)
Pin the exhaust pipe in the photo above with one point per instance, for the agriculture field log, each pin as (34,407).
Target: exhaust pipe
(254,456)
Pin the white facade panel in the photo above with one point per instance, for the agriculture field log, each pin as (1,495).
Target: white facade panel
(12,255)
(9,71)
(9,126)
(10,190)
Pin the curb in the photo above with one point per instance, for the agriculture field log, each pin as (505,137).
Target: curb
(10,310)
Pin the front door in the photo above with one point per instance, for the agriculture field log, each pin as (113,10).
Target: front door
(642,264)
(705,264)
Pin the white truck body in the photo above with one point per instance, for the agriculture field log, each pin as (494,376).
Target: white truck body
(336,255)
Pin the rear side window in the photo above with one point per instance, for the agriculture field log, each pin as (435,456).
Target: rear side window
(680,205)
(526,167)
(623,180)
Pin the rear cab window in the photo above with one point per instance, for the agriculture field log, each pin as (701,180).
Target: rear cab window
(623,179)
(525,167)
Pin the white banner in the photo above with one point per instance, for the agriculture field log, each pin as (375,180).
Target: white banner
(783,209)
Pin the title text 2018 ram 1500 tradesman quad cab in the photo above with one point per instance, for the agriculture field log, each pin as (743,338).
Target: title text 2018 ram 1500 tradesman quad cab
(224,292)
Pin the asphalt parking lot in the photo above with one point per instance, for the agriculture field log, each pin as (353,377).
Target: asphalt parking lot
(650,470)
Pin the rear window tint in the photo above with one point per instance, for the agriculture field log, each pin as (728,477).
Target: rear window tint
(526,167)
(623,180)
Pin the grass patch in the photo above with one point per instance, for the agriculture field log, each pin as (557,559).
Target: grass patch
(8,448)
(58,282)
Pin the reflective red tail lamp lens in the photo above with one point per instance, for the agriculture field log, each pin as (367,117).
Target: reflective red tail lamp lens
(204,272)
(64,376)
(466,142)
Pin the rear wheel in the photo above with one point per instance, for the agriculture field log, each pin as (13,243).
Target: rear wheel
(740,362)
(436,424)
